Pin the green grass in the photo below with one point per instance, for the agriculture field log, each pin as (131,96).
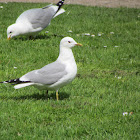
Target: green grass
(107,83)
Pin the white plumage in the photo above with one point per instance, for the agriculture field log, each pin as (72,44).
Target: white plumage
(35,20)
(54,75)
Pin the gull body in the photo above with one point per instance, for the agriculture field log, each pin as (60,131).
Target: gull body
(54,75)
(35,20)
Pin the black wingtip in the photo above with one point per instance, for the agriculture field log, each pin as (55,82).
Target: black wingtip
(60,3)
(15,81)
(11,81)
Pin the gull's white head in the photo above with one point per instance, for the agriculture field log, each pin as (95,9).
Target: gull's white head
(12,31)
(69,42)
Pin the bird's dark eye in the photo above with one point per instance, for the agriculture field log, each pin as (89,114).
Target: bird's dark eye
(10,32)
(69,41)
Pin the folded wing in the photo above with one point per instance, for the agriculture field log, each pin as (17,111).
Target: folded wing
(47,75)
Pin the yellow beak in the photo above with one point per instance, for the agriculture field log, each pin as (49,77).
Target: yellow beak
(78,44)
(8,38)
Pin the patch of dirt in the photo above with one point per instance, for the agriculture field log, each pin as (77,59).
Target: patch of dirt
(105,3)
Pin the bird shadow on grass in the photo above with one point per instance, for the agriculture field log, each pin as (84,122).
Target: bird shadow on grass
(44,36)
(48,36)
(37,96)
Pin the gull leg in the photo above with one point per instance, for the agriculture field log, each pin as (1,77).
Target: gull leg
(47,94)
(30,37)
(57,95)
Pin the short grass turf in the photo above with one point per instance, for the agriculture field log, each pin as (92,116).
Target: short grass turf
(106,86)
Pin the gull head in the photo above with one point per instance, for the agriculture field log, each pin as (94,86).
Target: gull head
(69,42)
(12,31)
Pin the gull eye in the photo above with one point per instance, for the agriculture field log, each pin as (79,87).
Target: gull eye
(10,32)
(69,42)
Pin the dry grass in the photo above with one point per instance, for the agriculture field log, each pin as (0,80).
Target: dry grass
(104,3)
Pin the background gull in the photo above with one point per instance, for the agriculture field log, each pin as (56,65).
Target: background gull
(54,75)
(35,20)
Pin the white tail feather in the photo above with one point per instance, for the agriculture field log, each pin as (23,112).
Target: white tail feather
(59,12)
(23,85)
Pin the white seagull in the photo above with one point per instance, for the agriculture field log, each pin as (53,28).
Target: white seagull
(35,20)
(54,75)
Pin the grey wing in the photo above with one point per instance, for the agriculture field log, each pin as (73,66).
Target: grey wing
(39,17)
(49,74)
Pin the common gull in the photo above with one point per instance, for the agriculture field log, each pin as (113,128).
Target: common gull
(54,75)
(35,20)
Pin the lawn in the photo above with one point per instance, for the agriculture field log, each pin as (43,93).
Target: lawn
(106,86)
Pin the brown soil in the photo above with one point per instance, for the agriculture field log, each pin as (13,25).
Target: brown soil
(105,3)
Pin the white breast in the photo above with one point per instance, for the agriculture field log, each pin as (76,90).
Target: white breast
(66,57)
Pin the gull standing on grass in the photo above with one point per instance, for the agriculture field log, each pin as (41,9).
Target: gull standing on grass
(35,20)
(54,75)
